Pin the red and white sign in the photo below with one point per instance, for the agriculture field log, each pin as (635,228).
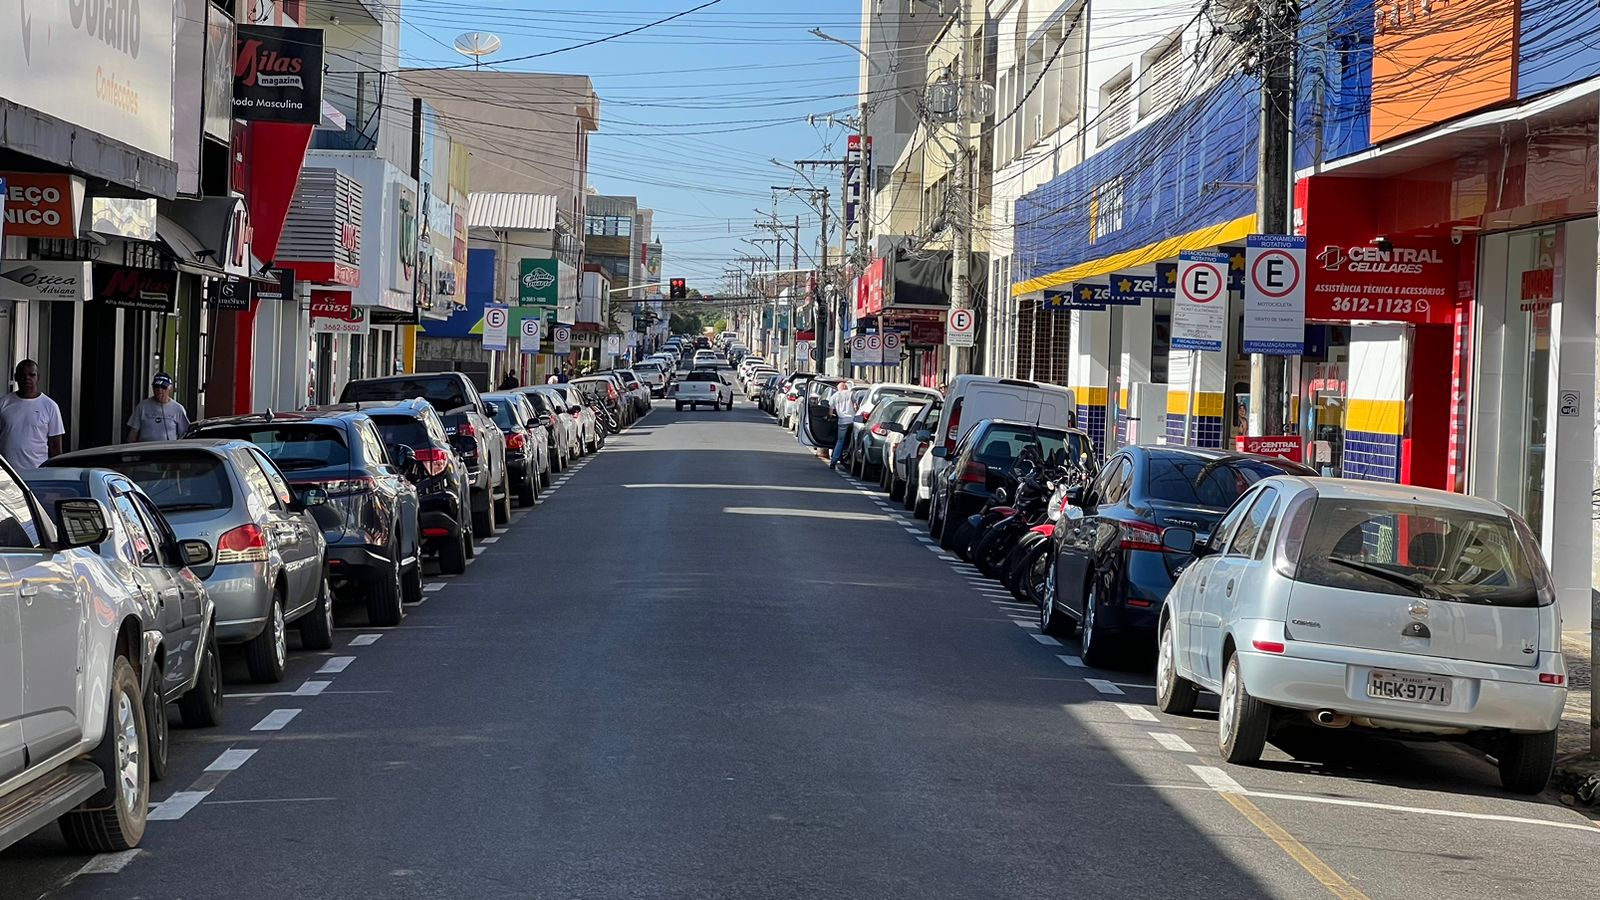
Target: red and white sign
(42,206)
(870,298)
(961,328)
(332,313)
(1355,272)
(1289,447)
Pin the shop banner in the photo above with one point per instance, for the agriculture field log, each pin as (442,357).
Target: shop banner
(1236,262)
(277,74)
(1289,447)
(562,336)
(1128,288)
(1087,296)
(1275,294)
(233,294)
(42,205)
(530,333)
(926,334)
(496,320)
(1200,308)
(333,313)
(536,282)
(26,279)
(147,290)
(283,292)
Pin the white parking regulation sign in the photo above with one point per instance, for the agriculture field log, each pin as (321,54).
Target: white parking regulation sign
(495,319)
(961,328)
(1275,294)
(530,333)
(891,348)
(562,336)
(874,355)
(1200,305)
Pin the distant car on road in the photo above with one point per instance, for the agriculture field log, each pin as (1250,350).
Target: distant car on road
(527,444)
(701,387)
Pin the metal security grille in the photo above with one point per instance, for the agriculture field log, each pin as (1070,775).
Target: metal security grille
(1162,80)
(1042,343)
(1115,115)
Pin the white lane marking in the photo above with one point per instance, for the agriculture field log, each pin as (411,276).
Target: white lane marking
(924,538)
(108,863)
(1217,779)
(1103,686)
(175,807)
(1170,741)
(479,548)
(1136,713)
(364,640)
(270,800)
(254,695)
(336,665)
(1072,661)
(939,550)
(1024,623)
(275,720)
(1418,810)
(230,760)
(311,688)
(948,558)
(913,531)
(433,586)
(1047,640)
(493,540)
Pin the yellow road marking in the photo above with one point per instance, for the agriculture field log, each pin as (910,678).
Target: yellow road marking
(1297,851)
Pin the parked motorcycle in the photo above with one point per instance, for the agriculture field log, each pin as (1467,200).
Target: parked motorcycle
(1027,568)
(994,529)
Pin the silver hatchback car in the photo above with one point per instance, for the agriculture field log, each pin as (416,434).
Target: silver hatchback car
(1345,603)
(268,566)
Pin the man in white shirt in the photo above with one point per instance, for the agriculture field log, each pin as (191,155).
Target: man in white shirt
(843,404)
(158,417)
(30,423)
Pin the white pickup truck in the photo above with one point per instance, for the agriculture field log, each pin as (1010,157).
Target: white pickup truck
(702,387)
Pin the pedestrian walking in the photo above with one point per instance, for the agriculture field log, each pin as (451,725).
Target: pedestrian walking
(158,417)
(509,382)
(843,404)
(30,423)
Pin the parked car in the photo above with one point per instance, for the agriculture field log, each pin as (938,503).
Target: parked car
(79,655)
(1375,606)
(793,402)
(468,421)
(605,390)
(973,398)
(888,390)
(768,391)
(591,436)
(267,569)
(371,517)
(147,558)
(701,387)
(636,392)
(753,382)
(815,413)
(653,374)
(560,431)
(982,463)
(868,438)
(907,478)
(1111,573)
(527,444)
(444,486)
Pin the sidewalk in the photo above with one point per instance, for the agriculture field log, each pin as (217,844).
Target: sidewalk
(1575,766)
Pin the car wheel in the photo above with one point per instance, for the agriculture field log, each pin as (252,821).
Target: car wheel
(155,717)
(1031,576)
(453,554)
(948,530)
(267,653)
(529,491)
(503,505)
(116,821)
(316,628)
(897,490)
(202,706)
(1241,720)
(921,506)
(1053,621)
(1094,650)
(679,406)
(483,519)
(1174,693)
(384,598)
(411,583)
(469,538)
(1526,760)
(935,525)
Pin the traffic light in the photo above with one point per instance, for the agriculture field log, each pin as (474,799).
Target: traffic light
(678,288)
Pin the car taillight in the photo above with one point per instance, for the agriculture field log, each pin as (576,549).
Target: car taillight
(922,447)
(1549,678)
(1268,646)
(247,543)
(1140,536)
(434,461)
(339,487)
(975,473)
(466,429)
(515,441)
(879,430)
(611,391)
(955,429)
(633,385)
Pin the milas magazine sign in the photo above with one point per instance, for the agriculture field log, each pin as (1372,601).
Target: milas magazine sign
(277,74)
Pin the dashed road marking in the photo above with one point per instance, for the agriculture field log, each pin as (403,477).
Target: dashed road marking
(1023,623)
(924,538)
(1047,640)
(433,586)
(936,549)
(364,640)
(275,720)
(1216,779)
(108,863)
(490,540)
(176,807)
(336,665)
(230,760)
(1170,741)
(1072,661)
(311,688)
(1103,686)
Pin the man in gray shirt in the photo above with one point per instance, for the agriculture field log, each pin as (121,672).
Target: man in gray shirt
(158,417)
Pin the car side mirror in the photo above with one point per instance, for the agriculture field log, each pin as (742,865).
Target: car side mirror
(491,409)
(1178,539)
(315,496)
(82,521)
(895,427)
(533,422)
(574,409)
(195,553)
(941,453)
(923,434)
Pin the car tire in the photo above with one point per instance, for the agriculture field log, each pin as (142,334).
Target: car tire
(679,406)
(948,530)
(921,507)
(1526,761)
(483,519)
(384,598)
(1175,695)
(935,527)
(118,822)
(201,707)
(1030,577)
(155,717)
(1095,649)
(316,627)
(411,583)
(896,490)
(453,554)
(1242,721)
(503,505)
(1053,621)
(529,492)
(267,654)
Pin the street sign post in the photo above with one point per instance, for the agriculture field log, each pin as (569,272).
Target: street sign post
(1275,294)
(1200,308)
(495,319)
(562,335)
(529,334)
(891,348)
(961,328)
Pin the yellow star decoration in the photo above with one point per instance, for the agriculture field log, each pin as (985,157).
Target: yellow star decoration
(1126,285)
(1172,276)
(1087,294)
(1236,261)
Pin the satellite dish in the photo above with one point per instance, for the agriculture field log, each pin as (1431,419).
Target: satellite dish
(477,44)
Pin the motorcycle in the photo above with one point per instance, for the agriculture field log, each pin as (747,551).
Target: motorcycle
(1027,568)
(994,529)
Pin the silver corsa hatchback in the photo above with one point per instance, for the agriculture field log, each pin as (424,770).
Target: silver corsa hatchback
(1336,603)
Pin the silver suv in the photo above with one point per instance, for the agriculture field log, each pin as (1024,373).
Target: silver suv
(77,651)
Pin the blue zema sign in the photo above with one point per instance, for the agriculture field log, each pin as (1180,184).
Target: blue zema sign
(1128,288)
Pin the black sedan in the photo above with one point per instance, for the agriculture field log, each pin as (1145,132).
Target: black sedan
(981,464)
(1111,573)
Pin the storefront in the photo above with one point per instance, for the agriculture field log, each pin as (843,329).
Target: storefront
(323,245)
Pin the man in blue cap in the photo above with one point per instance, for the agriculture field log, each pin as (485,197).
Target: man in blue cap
(158,417)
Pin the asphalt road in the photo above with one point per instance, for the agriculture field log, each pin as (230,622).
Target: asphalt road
(706,666)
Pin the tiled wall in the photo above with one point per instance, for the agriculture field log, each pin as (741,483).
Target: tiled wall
(1371,456)
(1207,430)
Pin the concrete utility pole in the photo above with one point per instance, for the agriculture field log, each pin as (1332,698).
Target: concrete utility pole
(961,215)
(826,312)
(1269,381)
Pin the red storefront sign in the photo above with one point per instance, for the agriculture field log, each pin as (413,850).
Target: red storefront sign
(926,333)
(1290,447)
(41,205)
(333,313)
(1357,273)
(869,302)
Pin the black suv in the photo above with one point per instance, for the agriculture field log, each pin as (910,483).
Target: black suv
(444,487)
(544,406)
(469,420)
(370,521)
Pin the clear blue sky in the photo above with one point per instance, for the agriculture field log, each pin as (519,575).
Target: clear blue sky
(691,111)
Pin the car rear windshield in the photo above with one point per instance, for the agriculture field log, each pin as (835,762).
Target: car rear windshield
(177,480)
(593,390)
(443,394)
(506,412)
(398,430)
(1201,482)
(1003,444)
(292,447)
(1418,551)
(703,375)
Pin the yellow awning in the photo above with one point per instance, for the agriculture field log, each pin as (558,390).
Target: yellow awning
(1199,239)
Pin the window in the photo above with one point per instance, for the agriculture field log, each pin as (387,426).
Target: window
(1105,210)
(292,446)
(1116,98)
(166,540)
(1161,77)
(18,531)
(608,226)
(141,543)
(1121,483)
(1225,528)
(277,488)
(372,445)
(1198,481)
(1253,524)
(175,480)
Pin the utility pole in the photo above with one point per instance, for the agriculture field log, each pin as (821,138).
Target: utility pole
(1269,381)
(825,311)
(961,215)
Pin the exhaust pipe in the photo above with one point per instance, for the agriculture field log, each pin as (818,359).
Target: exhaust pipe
(1327,718)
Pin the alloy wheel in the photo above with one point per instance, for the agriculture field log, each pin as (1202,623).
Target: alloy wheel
(280,638)
(1164,663)
(1228,709)
(129,763)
